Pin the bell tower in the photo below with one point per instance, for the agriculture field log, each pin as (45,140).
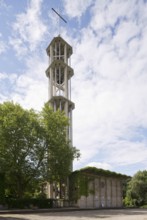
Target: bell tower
(60,73)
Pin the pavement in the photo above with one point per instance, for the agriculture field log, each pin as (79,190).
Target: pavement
(74,214)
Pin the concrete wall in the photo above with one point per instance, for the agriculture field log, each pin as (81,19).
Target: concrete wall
(104,192)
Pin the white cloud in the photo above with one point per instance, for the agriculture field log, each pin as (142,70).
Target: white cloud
(104,166)
(7,82)
(31,86)
(3,76)
(76,8)
(28,29)
(127,153)
(110,84)
(6,76)
(113,13)
(2,47)
(18,46)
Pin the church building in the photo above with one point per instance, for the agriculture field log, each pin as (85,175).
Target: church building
(89,187)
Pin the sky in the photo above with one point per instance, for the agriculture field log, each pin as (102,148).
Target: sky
(109,86)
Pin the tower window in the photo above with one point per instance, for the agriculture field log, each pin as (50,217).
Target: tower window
(58,51)
(59,75)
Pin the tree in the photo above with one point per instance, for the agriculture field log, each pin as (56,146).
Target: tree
(21,149)
(33,147)
(137,189)
(59,152)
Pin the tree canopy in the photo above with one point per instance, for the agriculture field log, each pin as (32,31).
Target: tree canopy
(33,147)
(137,189)
(60,153)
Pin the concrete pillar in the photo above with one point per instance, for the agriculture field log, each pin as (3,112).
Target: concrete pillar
(65,54)
(59,51)
(106,191)
(90,197)
(51,54)
(109,188)
(96,189)
(111,193)
(66,108)
(71,132)
(55,80)
(116,194)
(51,84)
(66,82)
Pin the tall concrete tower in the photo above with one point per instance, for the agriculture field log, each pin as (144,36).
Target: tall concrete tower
(59,73)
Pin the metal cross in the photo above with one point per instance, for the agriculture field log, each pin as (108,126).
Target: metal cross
(59,15)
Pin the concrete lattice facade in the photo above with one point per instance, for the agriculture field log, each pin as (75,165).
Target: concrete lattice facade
(88,190)
(59,74)
(107,193)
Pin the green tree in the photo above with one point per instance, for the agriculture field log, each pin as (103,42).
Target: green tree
(33,147)
(137,189)
(21,148)
(60,153)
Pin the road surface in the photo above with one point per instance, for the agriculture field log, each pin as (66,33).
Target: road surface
(119,214)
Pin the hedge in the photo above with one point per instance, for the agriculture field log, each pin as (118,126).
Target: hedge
(29,203)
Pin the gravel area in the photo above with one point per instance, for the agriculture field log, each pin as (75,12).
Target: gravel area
(121,214)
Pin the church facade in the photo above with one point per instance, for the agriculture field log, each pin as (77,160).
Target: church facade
(96,188)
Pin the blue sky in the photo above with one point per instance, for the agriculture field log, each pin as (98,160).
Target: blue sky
(109,87)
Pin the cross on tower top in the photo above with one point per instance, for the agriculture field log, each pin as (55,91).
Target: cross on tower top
(59,17)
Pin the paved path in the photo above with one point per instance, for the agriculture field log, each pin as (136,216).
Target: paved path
(121,214)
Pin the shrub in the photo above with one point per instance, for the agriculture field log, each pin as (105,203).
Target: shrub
(29,203)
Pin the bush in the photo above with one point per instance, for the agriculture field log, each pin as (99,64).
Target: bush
(144,206)
(136,194)
(129,202)
(29,203)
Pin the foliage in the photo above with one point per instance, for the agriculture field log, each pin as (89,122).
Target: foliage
(20,147)
(60,153)
(98,171)
(33,148)
(144,206)
(78,186)
(137,190)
